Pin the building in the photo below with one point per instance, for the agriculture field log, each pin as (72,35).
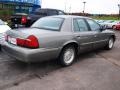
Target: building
(19,6)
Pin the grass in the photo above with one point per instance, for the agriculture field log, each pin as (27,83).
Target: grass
(106,17)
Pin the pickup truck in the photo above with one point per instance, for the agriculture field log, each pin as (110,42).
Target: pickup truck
(19,20)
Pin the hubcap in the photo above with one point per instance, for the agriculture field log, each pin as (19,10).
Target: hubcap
(111,43)
(69,56)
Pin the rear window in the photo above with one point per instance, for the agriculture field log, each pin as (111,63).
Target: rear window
(49,23)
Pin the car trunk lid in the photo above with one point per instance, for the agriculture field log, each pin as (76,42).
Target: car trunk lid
(29,38)
(25,32)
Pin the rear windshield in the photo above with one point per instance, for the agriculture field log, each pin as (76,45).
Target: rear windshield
(1,22)
(49,23)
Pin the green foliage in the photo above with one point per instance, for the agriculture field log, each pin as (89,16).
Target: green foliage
(106,17)
(5,14)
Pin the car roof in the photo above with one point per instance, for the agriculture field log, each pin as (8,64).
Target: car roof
(69,16)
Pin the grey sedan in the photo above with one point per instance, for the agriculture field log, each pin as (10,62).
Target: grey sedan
(60,37)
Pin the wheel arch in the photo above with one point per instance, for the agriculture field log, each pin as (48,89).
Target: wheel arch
(71,43)
(113,36)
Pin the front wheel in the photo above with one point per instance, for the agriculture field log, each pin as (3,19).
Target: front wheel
(110,43)
(67,56)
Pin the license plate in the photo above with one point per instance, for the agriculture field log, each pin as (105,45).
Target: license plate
(12,40)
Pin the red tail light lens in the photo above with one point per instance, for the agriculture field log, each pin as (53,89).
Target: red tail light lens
(24,20)
(30,42)
(20,42)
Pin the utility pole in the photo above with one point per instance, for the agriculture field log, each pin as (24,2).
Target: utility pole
(119,11)
(65,5)
(84,7)
(70,9)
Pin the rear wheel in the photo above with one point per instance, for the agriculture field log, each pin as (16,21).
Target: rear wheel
(67,55)
(110,44)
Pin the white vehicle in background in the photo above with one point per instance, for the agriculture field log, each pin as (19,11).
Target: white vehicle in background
(102,23)
(108,23)
(111,25)
(3,28)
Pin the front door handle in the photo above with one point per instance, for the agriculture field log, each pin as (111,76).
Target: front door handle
(78,36)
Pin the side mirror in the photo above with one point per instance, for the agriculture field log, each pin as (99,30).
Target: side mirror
(103,27)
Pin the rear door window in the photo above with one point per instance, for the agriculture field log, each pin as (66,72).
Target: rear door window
(80,25)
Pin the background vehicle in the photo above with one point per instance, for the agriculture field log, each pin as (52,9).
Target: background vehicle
(3,28)
(102,23)
(116,27)
(24,20)
(108,23)
(60,36)
(112,24)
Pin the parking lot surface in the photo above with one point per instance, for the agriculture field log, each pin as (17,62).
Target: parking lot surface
(98,70)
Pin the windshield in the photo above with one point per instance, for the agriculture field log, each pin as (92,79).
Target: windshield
(1,22)
(49,23)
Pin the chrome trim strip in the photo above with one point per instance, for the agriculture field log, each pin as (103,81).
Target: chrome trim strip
(94,42)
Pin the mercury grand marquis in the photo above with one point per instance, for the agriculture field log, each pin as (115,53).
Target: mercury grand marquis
(62,37)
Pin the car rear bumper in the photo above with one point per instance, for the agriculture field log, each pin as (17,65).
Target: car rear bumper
(30,55)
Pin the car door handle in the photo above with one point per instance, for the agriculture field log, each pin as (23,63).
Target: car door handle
(95,35)
(78,36)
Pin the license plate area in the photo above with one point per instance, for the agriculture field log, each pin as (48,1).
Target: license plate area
(12,40)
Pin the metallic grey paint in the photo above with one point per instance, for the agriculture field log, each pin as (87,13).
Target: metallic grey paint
(52,42)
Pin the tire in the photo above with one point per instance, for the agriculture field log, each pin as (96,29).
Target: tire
(67,56)
(110,43)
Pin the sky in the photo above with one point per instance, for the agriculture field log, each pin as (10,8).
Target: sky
(91,6)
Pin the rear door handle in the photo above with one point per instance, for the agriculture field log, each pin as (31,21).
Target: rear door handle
(77,36)
(95,35)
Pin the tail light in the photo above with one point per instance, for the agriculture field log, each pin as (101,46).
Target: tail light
(30,42)
(24,20)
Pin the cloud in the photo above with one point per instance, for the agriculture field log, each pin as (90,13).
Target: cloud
(92,6)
